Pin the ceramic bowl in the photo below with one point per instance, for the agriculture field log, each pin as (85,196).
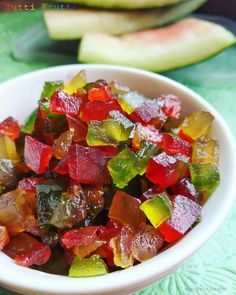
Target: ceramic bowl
(18,97)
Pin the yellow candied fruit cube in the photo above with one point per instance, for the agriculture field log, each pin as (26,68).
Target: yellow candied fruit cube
(205,150)
(8,149)
(77,82)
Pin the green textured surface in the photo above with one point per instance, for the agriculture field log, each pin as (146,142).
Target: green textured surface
(212,270)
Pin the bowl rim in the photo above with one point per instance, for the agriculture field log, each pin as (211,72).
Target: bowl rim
(16,277)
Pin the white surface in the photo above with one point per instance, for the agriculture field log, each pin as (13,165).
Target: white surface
(18,97)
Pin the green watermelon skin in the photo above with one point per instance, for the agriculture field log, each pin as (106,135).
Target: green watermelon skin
(184,43)
(74,24)
(123,4)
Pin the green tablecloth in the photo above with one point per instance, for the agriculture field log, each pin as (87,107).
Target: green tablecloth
(212,270)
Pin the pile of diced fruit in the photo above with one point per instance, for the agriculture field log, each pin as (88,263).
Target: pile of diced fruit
(100,178)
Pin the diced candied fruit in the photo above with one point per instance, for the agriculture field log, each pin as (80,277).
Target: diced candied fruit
(37,155)
(186,188)
(62,144)
(8,149)
(77,127)
(99,110)
(148,133)
(150,112)
(29,184)
(4,237)
(100,91)
(50,87)
(122,247)
(145,153)
(173,145)
(130,100)
(165,170)
(62,165)
(110,151)
(205,176)
(95,200)
(171,105)
(205,150)
(185,213)
(123,168)
(88,165)
(158,209)
(10,127)
(88,267)
(8,173)
(15,208)
(151,193)
(65,104)
(76,83)
(83,251)
(196,124)
(29,123)
(146,243)
(123,203)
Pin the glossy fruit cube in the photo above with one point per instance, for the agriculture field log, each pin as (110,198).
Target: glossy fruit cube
(157,209)
(146,243)
(65,104)
(110,151)
(8,173)
(185,213)
(62,166)
(77,127)
(50,87)
(88,165)
(15,208)
(145,153)
(10,127)
(88,267)
(151,193)
(205,176)
(130,100)
(185,188)
(150,112)
(83,251)
(76,83)
(165,170)
(196,124)
(99,110)
(205,150)
(123,167)
(95,200)
(62,144)
(145,133)
(29,123)
(4,237)
(8,149)
(100,91)
(123,203)
(171,105)
(173,145)
(37,155)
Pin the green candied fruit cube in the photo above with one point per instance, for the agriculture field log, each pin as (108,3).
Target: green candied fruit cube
(50,87)
(123,168)
(88,267)
(120,118)
(29,125)
(106,132)
(205,176)
(157,209)
(145,153)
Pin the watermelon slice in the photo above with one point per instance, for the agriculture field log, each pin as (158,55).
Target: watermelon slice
(73,24)
(127,4)
(183,43)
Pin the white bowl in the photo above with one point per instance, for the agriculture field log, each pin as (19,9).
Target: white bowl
(18,97)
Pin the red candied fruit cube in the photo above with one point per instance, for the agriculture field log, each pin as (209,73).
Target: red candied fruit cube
(37,155)
(110,151)
(65,104)
(80,237)
(100,91)
(88,165)
(186,188)
(171,105)
(149,112)
(148,133)
(26,250)
(29,184)
(185,213)
(99,110)
(4,237)
(62,165)
(10,127)
(151,193)
(174,145)
(165,170)
(78,127)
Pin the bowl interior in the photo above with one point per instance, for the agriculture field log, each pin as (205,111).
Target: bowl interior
(19,97)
